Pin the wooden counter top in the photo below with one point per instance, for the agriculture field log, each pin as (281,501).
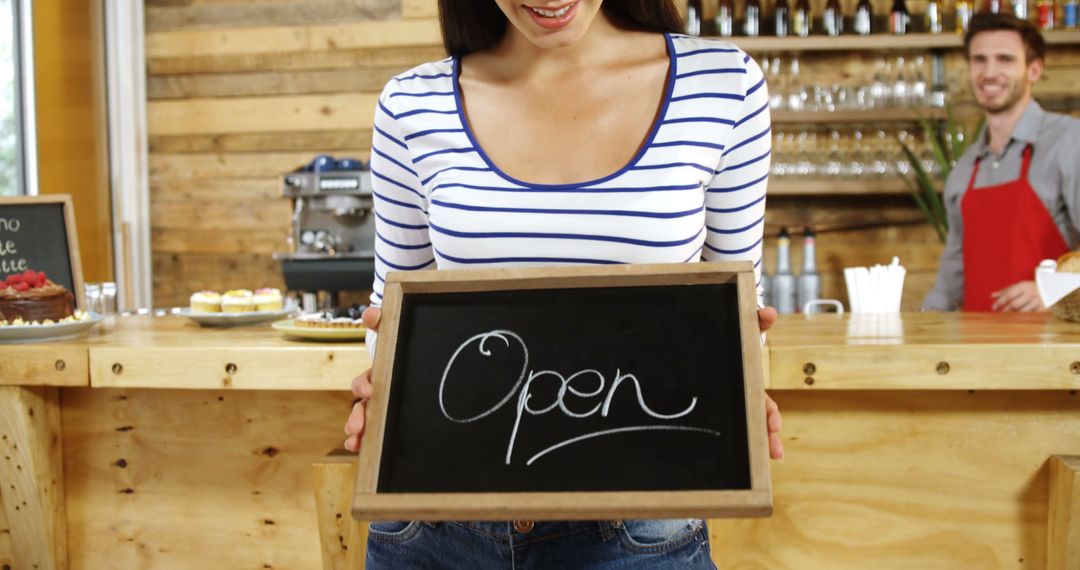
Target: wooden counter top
(924,351)
(173,352)
(912,351)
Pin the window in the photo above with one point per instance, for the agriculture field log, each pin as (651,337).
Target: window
(11,139)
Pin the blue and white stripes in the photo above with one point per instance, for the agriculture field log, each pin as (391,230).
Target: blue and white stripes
(696,190)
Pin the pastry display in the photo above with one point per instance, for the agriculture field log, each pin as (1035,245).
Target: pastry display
(238,301)
(32,298)
(268,300)
(342,318)
(1068,308)
(1069,263)
(206,302)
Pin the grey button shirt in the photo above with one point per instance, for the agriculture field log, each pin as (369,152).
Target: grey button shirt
(1054,175)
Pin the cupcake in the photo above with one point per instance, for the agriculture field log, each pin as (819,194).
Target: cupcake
(206,302)
(237,301)
(268,300)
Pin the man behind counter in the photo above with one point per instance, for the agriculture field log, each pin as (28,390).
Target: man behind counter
(1013,199)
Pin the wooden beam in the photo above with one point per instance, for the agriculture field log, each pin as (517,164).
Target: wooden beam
(337,112)
(404,57)
(349,141)
(285,12)
(32,477)
(1063,529)
(343,539)
(281,39)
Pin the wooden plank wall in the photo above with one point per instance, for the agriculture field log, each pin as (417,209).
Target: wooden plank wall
(241,91)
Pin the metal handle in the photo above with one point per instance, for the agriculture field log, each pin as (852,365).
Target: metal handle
(823,302)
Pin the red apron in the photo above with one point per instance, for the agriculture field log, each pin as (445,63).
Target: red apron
(1007,232)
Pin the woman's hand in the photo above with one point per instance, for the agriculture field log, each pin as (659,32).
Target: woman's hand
(766,319)
(362,389)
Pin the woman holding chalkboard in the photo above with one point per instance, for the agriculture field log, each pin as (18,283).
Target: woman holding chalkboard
(565,132)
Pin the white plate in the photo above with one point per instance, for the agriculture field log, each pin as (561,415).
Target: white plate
(56,331)
(289,328)
(234,319)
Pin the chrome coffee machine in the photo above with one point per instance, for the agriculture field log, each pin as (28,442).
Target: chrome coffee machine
(332,240)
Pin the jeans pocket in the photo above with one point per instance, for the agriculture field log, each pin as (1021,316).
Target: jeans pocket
(394,532)
(657,536)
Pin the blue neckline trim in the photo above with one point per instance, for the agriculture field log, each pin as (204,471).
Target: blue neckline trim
(661,116)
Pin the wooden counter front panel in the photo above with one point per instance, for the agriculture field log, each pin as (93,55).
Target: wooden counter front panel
(188,479)
(44,364)
(201,367)
(918,479)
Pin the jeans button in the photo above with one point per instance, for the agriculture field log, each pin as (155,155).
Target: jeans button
(616,524)
(524,527)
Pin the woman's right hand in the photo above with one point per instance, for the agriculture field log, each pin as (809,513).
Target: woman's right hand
(362,389)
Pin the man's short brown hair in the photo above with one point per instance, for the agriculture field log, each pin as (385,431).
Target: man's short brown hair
(1034,44)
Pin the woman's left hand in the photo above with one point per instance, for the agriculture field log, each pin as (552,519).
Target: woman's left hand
(766,319)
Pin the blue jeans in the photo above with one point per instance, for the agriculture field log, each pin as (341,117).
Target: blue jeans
(596,545)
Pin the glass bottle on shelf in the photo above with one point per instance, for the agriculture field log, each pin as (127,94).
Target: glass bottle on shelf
(963,16)
(783,280)
(1046,14)
(933,17)
(809,284)
(752,18)
(833,18)
(937,80)
(777,85)
(802,20)
(879,90)
(898,17)
(1069,14)
(1020,8)
(693,17)
(992,6)
(781,19)
(864,18)
(919,90)
(796,95)
(725,18)
(901,89)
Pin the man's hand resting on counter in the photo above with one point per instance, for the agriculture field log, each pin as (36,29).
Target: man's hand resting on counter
(362,389)
(1020,297)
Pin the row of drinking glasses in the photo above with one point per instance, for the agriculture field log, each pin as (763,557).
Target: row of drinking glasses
(854,152)
(899,82)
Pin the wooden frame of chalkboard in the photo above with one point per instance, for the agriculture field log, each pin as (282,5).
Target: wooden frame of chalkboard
(427,472)
(63,216)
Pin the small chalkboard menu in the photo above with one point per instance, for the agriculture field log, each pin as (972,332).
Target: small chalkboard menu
(38,233)
(630,391)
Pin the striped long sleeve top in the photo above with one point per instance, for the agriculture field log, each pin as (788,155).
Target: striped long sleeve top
(695,190)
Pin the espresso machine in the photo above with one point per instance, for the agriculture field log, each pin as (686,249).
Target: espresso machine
(332,238)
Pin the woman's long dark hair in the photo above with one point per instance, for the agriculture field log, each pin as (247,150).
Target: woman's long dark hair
(473,25)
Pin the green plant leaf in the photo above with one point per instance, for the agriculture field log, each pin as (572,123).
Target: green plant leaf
(927,189)
(925,208)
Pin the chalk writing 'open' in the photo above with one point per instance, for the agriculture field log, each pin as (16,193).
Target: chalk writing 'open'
(566,389)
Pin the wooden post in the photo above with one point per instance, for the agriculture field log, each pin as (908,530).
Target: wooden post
(1063,528)
(32,476)
(342,538)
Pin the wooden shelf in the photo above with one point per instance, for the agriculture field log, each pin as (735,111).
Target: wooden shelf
(832,186)
(898,115)
(878,42)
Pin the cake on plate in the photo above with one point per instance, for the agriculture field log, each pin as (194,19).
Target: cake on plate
(206,302)
(268,300)
(31,297)
(343,318)
(238,301)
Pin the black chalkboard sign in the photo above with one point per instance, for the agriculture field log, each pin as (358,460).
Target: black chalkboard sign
(38,233)
(563,393)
